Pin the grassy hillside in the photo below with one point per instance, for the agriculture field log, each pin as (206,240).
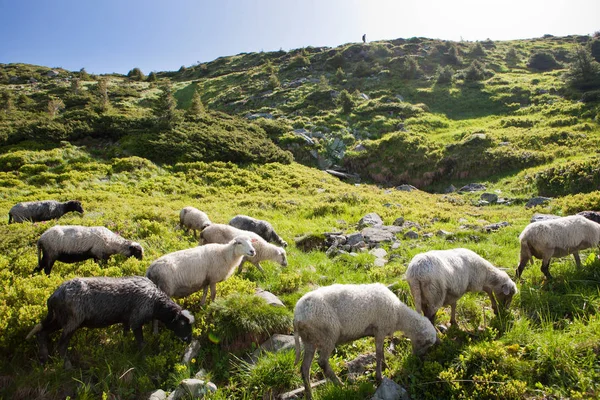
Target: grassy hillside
(137,149)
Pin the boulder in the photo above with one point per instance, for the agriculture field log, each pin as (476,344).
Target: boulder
(274,344)
(495,227)
(370,220)
(377,235)
(359,365)
(378,252)
(472,187)
(406,188)
(194,388)
(411,235)
(450,189)
(158,395)
(398,221)
(537,201)
(390,390)
(269,297)
(191,352)
(542,217)
(489,197)
(354,239)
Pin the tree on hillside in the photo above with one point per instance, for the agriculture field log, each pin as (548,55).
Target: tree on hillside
(542,61)
(274,82)
(512,57)
(584,71)
(6,101)
(136,74)
(452,57)
(477,50)
(152,77)
(196,108)
(100,91)
(410,68)
(55,105)
(75,85)
(346,101)
(165,110)
(83,75)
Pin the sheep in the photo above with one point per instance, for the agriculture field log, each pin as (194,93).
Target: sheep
(98,302)
(184,272)
(194,219)
(591,215)
(45,210)
(331,315)
(557,238)
(440,277)
(262,228)
(73,243)
(221,233)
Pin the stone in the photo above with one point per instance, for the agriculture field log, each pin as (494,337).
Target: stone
(158,395)
(411,235)
(489,197)
(379,262)
(304,136)
(450,189)
(370,220)
(269,297)
(359,147)
(396,245)
(472,187)
(406,188)
(363,96)
(378,252)
(274,344)
(354,239)
(360,364)
(259,115)
(495,227)
(377,235)
(443,233)
(398,221)
(390,390)
(542,217)
(194,388)
(343,175)
(537,201)
(191,352)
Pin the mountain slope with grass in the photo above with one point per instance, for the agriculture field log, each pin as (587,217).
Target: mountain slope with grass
(250,134)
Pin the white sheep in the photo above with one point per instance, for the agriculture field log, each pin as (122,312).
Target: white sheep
(73,243)
(194,219)
(184,272)
(339,313)
(557,238)
(440,277)
(221,233)
(43,210)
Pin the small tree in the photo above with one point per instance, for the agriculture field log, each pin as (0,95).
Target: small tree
(101,91)
(152,77)
(324,83)
(55,105)
(136,74)
(269,68)
(75,85)
(475,72)
(410,68)
(512,57)
(274,82)
(340,75)
(477,50)
(83,75)
(346,101)
(196,108)
(6,101)
(584,71)
(453,55)
(165,109)
(444,74)
(542,61)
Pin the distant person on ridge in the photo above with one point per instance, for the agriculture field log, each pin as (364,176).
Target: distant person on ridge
(365,38)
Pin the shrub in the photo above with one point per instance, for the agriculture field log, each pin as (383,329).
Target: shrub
(444,74)
(477,50)
(542,61)
(584,71)
(337,61)
(346,101)
(410,68)
(131,164)
(570,178)
(511,57)
(362,69)
(299,60)
(595,49)
(136,74)
(475,72)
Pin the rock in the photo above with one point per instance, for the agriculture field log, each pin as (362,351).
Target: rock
(259,115)
(399,97)
(307,139)
(363,96)
(398,221)
(359,365)
(489,197)
(379,262)
(537,201)
(390,390)
(269,297)
(359,147)
(410,224)
(542,217)
(296,393)
(194,388)
(377,235)
(406,188)
(472,187)
(274,344)
(354,239)
(378,252)
(370,220)
(343,175)
(158,395)
(191,352)
(201,374)
(495,227)
(411,235)
(310,242)
(450,189)
(443,233)
(396,245)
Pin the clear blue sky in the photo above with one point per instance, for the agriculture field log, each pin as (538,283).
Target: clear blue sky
(105,36)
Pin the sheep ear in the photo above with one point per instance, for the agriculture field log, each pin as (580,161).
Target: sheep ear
(254,240)
(188,315)
(506,289)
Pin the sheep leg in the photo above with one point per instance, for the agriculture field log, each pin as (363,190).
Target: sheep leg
(323,362)
(139,336)
(240,266)
(155,327)
(521,267)
(379,357)
(546,268)
(259,268)
(493,301)
(203,301)
(453,314)
(309,354)
(577,259)
(63,343)
(213,291)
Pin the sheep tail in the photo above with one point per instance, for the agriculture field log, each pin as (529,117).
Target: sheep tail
(417,294)
(297,346)
(36,329)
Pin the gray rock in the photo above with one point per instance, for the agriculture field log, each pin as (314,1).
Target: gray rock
(495,227)
(398,221)
(269,297)
(489,197)
(307,139)
(158,395)
(390,390)
(201,374)
(472,187)
(274,344)
(359,147)
(396,245)
(354,239)
(537,201)
(194,388)
(259,115)
(443,233)
(379,262)
(191,352)
(363,96)
(399,97)
(450,189)
(377,235)
(406,188)
(343,175)
(411,235)
(378,252)
(370,220)
(359,365)
(542,217)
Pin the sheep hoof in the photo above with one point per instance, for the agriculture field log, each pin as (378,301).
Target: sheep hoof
(442,328)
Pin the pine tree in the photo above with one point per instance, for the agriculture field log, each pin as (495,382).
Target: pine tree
(55,105)
(196,108)
(165,110)
(101,90)
(346,101)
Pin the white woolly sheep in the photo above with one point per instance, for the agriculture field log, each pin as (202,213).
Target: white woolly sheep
(184,272)
(43,210)
(73,243)
(557,238)
(441,277)
(262,228)
(336,314)
(102,301)
(221,233)
(194,219)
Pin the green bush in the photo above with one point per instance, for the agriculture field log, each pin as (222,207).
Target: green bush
(570,178)
(542,61)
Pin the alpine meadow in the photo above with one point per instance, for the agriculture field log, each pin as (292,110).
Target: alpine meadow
(450,144)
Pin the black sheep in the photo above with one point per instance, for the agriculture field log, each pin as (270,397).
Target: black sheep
(43,210)
(262,228)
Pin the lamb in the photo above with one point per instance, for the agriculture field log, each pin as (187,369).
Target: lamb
(221,233)
(557,238)
(184,272)
(263,228)
(194,219)
(103,301)
(73,243)
(339,313)
(441,277)
(45,210)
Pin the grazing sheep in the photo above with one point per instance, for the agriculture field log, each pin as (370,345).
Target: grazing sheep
(262,228)
(557,238)
(591,215)
(184,272)
(220,233)
(440,277)
(194,219)
(44,210)
(338,313)
(73,243)
(102,301)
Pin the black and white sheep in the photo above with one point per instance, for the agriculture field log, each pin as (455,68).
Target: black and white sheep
(44,210)
(331,315)
(557,238)
(194,219)
(73,243)
(441,277)
(103,301)
(262,228)
(221,233)
(184,272)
